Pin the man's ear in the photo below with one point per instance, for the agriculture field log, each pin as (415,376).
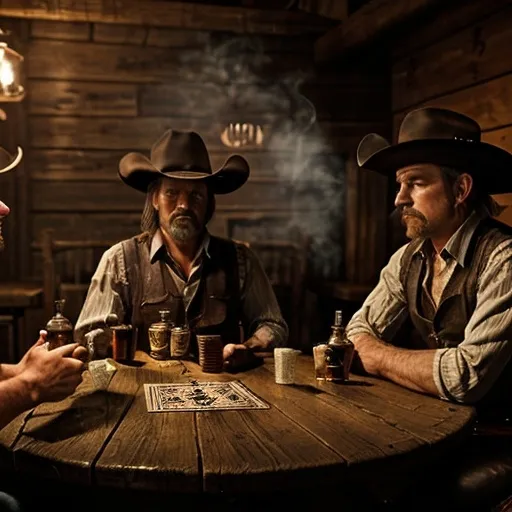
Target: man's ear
(154,199)
(462,188)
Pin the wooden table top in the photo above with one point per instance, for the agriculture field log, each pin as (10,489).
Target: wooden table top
(369,432)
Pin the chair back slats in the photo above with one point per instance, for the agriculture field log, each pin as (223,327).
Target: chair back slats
(68,266)
(285,263)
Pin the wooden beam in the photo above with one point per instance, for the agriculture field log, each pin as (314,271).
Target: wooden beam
(168,14)
(367,23)
(335,9)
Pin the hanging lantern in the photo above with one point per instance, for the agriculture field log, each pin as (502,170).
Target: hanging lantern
(11,63)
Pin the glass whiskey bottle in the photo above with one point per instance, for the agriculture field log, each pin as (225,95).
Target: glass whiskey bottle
(59,328)
(339,352)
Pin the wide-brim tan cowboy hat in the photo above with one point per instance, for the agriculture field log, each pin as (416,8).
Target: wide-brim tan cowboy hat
(182,155)
(441,137)
(8,161)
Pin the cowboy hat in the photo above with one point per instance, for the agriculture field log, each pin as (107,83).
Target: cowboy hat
(7,161)
(442,137)
(182,155)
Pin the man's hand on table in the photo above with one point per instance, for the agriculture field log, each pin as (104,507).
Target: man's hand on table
(239,357)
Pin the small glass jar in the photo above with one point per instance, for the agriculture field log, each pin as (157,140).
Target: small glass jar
(59,328)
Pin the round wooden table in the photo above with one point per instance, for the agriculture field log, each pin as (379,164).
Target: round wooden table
(368,434)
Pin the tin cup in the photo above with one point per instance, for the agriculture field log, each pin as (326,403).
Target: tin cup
(123,342)
(180,342)
(210,353)
(159,338)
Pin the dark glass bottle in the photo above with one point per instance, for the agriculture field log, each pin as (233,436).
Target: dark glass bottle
(339,352)
(59,328)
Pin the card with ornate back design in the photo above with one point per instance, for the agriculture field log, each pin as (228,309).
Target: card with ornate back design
(201,396)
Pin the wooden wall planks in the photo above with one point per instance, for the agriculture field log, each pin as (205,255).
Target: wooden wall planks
(462,63)
(99,90)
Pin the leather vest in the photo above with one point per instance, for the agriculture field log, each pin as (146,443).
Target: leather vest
(215,308)
(444,327)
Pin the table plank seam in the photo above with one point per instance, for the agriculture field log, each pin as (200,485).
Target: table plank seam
(109,437)
(325,393)
(200,466)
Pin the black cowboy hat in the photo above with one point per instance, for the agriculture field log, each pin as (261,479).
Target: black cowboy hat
(442,137)
(182,155)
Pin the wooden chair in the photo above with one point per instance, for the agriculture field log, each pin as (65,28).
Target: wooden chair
(286,265)
(67,269)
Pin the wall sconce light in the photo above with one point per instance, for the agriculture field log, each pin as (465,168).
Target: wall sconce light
(242,135)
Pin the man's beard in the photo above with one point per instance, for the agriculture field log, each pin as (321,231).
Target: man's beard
(183,226)
(415,222)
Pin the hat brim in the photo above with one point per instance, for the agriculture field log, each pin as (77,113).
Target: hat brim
(486,161)
(138,172)
(7,161)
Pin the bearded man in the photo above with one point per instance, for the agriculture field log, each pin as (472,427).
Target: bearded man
(440,319)
(213,285)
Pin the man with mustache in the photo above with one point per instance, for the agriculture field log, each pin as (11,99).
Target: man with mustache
(41,375)
(213,285)
(440,319)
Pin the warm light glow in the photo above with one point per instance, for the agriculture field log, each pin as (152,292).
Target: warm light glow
(6,73)
(10,71)
(238,135)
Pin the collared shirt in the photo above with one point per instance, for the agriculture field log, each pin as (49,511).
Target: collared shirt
(104,298)
(464,373)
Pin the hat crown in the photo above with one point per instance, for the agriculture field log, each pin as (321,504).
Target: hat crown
(178,150)
(438,123)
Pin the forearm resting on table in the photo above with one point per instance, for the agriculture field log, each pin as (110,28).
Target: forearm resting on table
(263,339)
(412,369)
(16,398)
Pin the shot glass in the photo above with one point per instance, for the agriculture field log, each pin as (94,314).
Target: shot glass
(210,352)
(123,342)
(285,360)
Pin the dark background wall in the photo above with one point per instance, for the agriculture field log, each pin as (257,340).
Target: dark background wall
(98,90)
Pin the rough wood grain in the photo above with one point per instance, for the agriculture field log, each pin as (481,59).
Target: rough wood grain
(64,31)
(62,439)
(93,225)
(108,62)
(345,103)
(114,133)
(162,454)
(473,55)
(383,430)
(102,165)
(119,34)
(260,450)
(433,28)
(170,14)
(175,38)
(8,437)
(74,196)
(487,103)
(362,436)
(429,418)
(75,164)
(366,24)
(63,98)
